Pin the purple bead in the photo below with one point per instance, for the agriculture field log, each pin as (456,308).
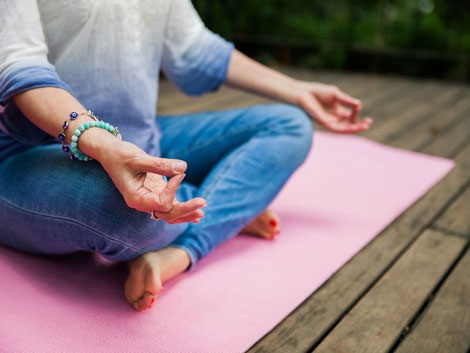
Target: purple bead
(62,136)
(72,157)
(73,115)
(66,148)
(65,124)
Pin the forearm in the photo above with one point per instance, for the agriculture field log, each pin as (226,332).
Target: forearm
(249,75)
(49,107)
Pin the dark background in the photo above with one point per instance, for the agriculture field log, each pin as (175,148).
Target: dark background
(422,38)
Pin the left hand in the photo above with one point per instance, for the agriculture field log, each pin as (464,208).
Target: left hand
(332,108)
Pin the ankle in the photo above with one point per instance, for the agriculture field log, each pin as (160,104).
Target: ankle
(178,261)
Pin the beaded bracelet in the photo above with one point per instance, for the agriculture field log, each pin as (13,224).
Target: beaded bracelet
(77,133)
(65,125)
(75,153)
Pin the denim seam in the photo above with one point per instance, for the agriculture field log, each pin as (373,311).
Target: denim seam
(65,219)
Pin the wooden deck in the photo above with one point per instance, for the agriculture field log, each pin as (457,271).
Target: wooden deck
(409,289)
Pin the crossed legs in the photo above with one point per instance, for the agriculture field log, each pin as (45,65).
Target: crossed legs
(238,160)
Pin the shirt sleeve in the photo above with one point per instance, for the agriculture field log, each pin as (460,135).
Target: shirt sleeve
(195,59)
(23,51)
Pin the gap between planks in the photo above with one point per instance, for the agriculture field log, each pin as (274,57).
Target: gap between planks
(444,325)
(378,319)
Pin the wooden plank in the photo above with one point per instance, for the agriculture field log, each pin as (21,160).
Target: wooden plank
(168,103)
(451,141)
(377,321)
(319,313)
(412,97)
(445,325)
(416,111)
(386,97)
(456,218)
(186,105)
(431,129)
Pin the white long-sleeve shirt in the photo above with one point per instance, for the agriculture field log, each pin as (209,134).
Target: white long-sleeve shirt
(108,54)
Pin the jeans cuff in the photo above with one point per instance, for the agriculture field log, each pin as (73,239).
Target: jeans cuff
(190,253)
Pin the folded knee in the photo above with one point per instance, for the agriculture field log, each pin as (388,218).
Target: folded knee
(295,129)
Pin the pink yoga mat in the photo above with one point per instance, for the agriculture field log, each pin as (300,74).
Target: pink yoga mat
(346,192)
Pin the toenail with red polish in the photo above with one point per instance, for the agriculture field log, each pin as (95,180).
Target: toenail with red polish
(273,222)
(152,300)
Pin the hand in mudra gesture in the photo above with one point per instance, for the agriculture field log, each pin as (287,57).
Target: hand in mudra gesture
(139,178)
(332,108)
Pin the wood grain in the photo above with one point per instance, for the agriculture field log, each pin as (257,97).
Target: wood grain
(377,321)
(456,218)
(445,325)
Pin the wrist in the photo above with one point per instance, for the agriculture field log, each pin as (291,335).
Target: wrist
(297,92)
(96,142)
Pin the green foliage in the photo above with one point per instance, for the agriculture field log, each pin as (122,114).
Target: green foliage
(333,26)
(427,24)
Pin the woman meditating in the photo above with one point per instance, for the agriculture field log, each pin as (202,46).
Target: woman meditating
(85,165)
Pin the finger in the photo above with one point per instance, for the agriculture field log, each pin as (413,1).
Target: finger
(182,209)
(167,196)
(145,201)
(342,112)
(348,127)
(353,103)
(314,109)
(347,100)
(162,166)
(369,120)
(355,113)
(193,217)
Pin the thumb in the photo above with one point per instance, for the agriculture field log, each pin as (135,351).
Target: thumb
(161,166)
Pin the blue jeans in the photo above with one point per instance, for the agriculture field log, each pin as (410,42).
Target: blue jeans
(238,160)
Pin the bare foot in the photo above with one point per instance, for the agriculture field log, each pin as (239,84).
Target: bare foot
(149,271)
(266,225)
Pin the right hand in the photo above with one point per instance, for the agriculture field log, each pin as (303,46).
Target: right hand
(138,177)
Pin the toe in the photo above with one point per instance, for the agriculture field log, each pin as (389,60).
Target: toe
(273,220)
(139,305)
(145,302)
(148,300)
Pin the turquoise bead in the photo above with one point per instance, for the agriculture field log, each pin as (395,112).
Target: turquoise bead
(75,137)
